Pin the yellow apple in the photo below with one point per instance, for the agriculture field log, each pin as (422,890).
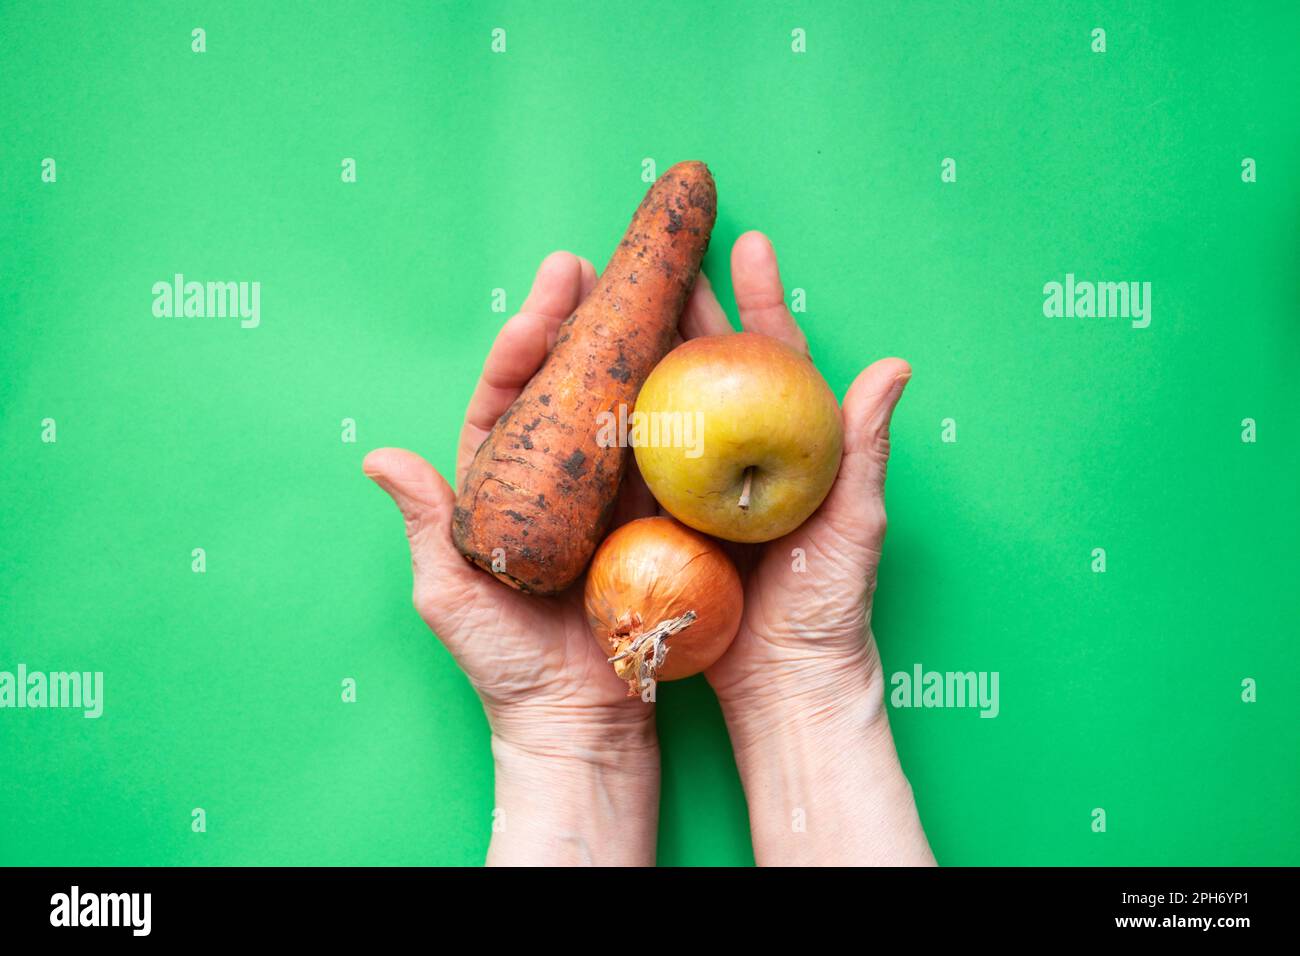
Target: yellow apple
(738,436)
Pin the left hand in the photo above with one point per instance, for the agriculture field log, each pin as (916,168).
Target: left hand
(563,727)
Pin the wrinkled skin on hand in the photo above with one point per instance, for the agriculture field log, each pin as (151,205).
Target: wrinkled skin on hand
(544,682)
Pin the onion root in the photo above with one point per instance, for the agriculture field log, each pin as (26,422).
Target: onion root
(639,657)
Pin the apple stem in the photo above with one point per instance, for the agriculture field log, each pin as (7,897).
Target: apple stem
(744,492)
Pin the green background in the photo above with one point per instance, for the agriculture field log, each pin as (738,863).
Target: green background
(1119,690)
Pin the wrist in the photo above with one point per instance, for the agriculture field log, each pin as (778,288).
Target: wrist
(568,794)
(821,772)
(825,692)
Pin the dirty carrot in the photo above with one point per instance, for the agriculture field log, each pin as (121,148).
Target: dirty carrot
(540,493)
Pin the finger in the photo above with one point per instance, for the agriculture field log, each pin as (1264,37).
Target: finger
(855,506)
(521,348)
(703,315)
(516,355)
(760,297)
(441,575)
(557,288)
(588,279)
(868,410)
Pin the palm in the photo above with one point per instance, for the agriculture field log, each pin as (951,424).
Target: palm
(806,604)
(542,649)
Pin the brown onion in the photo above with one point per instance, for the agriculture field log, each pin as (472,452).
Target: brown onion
(664,602)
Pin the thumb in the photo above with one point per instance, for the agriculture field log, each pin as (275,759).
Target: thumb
(426,502)
(868,408)
(855,506)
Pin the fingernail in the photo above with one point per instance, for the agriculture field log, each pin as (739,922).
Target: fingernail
(896,391)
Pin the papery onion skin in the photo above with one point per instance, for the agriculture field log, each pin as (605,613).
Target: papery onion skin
(654,570)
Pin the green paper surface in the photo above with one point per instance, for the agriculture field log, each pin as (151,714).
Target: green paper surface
(1119,690)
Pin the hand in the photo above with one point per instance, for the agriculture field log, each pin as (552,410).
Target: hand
(806,634)
(801,686)
(563,729)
